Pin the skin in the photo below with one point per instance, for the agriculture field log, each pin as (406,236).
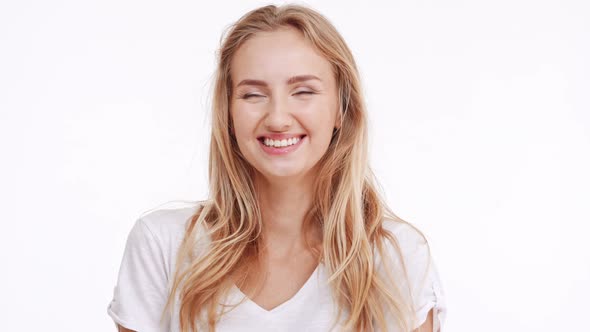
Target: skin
(309,107)
(284,182)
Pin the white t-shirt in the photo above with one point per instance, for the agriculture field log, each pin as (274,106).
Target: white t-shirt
(148,263)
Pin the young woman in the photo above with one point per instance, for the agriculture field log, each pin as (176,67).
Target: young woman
(294,235)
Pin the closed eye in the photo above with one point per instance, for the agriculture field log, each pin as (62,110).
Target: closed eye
(248,95)
(305,92)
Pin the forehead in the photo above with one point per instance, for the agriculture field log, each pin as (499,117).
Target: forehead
(278,55)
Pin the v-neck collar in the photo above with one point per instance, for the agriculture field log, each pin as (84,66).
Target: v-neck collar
(308,286)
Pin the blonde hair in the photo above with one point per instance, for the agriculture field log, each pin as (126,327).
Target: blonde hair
(347,203)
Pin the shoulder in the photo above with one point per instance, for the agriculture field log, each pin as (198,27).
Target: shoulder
(404,230)
(410,241)
(167,224)
(162,220)
(157,235)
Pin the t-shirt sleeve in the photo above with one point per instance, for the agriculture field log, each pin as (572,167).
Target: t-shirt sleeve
(141,290)
(430,294)
(423,277)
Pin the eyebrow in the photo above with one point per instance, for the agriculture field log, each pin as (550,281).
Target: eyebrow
(292,80)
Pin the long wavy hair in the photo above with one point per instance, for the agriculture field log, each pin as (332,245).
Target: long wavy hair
(347,203)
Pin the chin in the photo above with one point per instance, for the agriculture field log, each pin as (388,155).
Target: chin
(282,173)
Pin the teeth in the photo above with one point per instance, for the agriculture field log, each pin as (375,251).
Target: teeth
(281,143)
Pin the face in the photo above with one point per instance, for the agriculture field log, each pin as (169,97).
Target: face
(284,103)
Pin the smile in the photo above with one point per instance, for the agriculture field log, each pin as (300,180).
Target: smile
(279,147)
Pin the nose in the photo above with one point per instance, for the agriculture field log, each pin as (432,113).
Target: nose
(278,117)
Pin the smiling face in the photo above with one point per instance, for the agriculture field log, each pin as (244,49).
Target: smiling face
(284,103)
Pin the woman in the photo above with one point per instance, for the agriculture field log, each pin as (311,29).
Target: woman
(294,236)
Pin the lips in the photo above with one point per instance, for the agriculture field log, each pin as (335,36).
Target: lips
(279,137)
(282,150)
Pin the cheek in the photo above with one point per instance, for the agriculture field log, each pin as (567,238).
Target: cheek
(242,120)
(320,118)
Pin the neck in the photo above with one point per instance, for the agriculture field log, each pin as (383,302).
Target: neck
(283,206)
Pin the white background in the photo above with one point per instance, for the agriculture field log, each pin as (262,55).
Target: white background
(480,136)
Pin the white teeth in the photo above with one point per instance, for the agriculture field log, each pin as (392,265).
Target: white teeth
(281,143)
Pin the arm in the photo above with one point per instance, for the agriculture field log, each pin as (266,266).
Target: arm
(122,329)
(427,326)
